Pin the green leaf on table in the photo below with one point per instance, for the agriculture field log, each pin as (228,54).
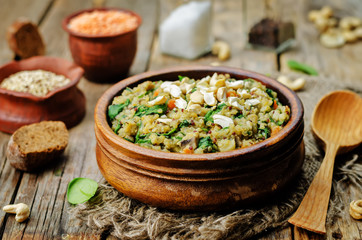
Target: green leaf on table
(81,190)
(301,67)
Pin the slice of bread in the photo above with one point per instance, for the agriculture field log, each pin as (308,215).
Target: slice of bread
(24,39)
(33,146)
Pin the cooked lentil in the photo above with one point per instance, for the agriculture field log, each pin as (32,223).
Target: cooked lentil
(103,22)
(36,82)
(212,114)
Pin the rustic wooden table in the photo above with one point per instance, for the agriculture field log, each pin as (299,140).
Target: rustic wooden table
(45,191)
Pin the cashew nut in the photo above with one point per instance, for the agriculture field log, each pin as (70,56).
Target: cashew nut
(233,101)
(217,82)
(221,94)
(326,12)
(21,210)
(209,98)
(235,85)
(355,209)
(358,32)
(221,49)
(197,97)
(333,38)
(349,36)
(243,93)
(222,120)
(294,85)
(348,23)
(157,101)
(181,103)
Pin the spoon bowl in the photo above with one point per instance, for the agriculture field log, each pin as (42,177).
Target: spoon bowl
(336,124)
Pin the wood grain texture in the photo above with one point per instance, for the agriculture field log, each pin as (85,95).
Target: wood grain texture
(233,18)
(336,122)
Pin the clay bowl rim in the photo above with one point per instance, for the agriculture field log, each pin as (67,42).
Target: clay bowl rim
(296,106)
(36,63)
(67,19)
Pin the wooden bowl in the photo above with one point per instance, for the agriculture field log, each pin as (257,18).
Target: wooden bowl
(65,104)
(211,181)
(104,58)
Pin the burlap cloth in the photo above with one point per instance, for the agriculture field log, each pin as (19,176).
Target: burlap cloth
(112,212)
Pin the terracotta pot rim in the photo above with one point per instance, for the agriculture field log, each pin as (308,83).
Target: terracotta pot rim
(67,19)
(31,64)
(297,113)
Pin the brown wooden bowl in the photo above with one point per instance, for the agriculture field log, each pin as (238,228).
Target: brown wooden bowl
(65,104)
(104,58)
(211,181)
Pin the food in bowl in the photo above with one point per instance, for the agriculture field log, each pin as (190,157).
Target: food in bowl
(213,114)
(36,82)
(103,22)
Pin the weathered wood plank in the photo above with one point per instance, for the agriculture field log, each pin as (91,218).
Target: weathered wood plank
(146,32)
(283,234)
(328,62)
(47,190)
(34,10)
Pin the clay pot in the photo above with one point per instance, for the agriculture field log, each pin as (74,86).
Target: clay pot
(104,58)
(201,182)
(65,104)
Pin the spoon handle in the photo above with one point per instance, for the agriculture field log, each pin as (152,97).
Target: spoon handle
(311,213)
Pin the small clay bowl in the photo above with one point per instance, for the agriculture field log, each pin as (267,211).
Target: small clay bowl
(104,58)
(201,182)
(65,104)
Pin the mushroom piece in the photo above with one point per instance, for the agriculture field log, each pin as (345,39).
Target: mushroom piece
(190,143)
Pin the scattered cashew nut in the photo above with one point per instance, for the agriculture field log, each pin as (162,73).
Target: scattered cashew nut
(294,85)
(21,210)
(221,49)
(355,209)
(333,38)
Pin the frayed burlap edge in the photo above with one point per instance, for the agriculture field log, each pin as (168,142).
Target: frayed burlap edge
(126,218)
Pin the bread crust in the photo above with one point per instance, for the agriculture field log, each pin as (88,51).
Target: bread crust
(33,160)
(24,39)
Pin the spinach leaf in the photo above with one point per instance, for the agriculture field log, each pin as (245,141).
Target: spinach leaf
(141,138)
(114,110)
(180,77)
(194,89)
(146,93)
(205,142)
(279,123)
(129,140)
(184,123)
(157,109)
(128,89)
(209,114)
(301,67)
(117,128)
(265,132)
(269,92)
(81,190)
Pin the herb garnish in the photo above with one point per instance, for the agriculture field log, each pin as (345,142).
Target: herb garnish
(115,109)
(209,114)
(301,67)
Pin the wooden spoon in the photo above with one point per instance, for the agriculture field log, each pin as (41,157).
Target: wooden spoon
(337,124)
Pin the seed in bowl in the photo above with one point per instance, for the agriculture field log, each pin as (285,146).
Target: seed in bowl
(36,82)
(103,22)
(214,114)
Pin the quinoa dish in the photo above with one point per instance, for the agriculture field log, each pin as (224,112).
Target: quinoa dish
(214,114)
